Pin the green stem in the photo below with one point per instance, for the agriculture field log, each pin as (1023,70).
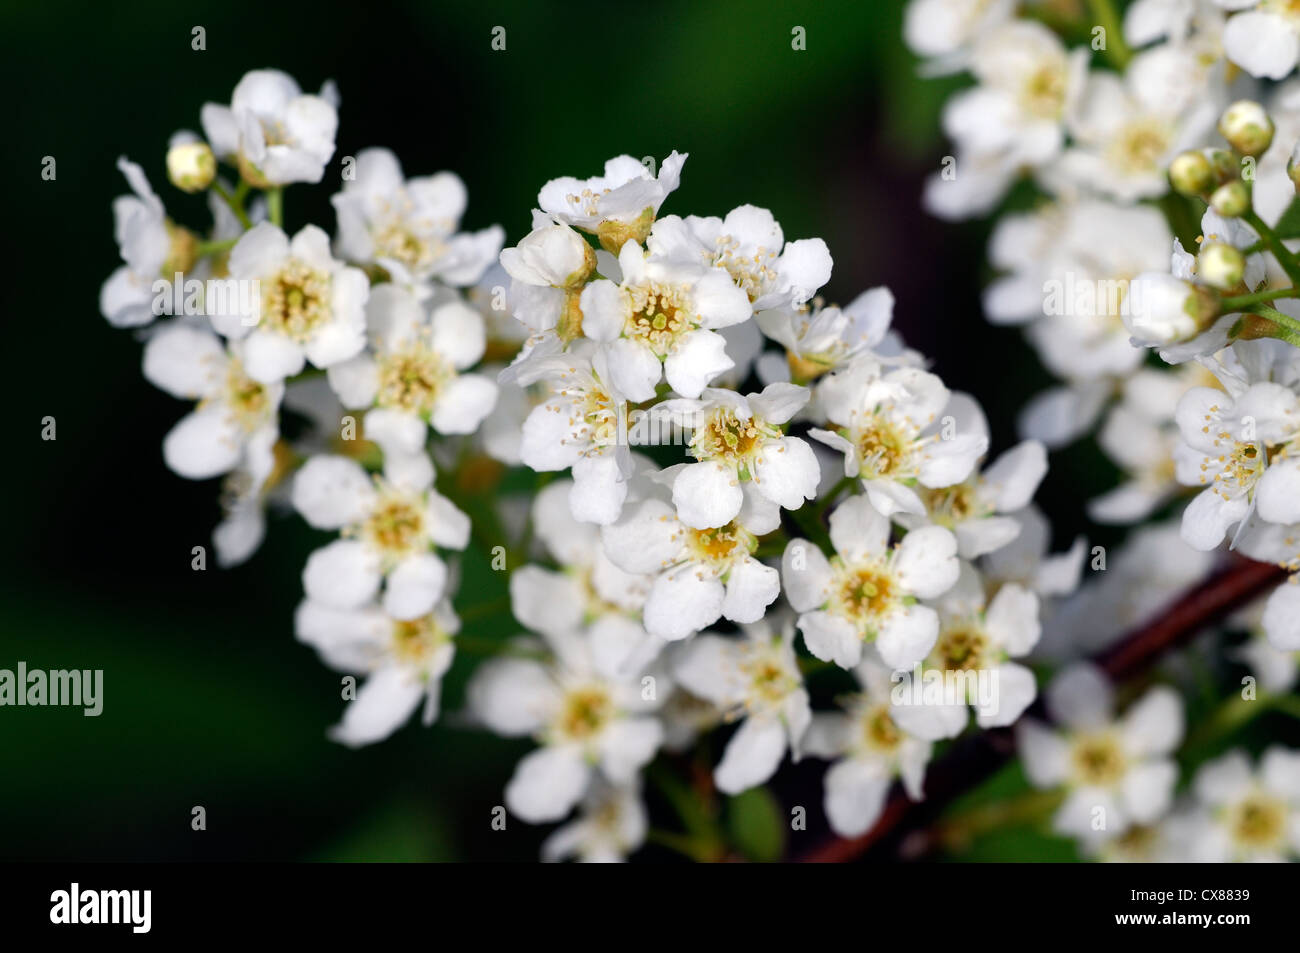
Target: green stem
(1104,12)
(1287,326)
(216,247)
(703,840)
(958,831)
(236,202)
(1284,256)
(1244,302)
(275,206)
(492,648)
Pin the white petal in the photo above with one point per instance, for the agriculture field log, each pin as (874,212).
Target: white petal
(1014,690)
(806,575)
(458,334)
(751,588)
(343,574)
(270,357)
(1153,725)
(907,636)
(414,586)
(752,755)
(547,784)
(926,561)
(1282,617)
(697,359)
(1012,480)
(707,495)
(204,444)
(627,746)
(184,361)
(512,697)
(1012,620)
(382,705)
(448,526)
(858,530)
(831,638)
(787,472)
(682,602)
(1044,754)
(331,491)
(855,795)
(1081,697)
(1148,790)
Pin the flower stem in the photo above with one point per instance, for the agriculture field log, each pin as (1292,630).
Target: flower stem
(275,206)
(1244,302)
(1284,255)
(1103,11)
(236,203)
(216,247)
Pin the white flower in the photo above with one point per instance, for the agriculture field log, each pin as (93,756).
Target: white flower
(751,247)
(755,678)
(588,586)
(1118,772)
(404,661)
(1014,117)
(617,206)
(977,639)
(1263,38)
(591,721)
(410,226)
(581,425)
(1125,131)
(1026,562)
(891,435)
(412,373)
(739,440)
(1140,436)
(151,246)
(612,824)
(1248,815)
(870,749)
(390,526)
(1229,441)
(865,593)
(274,133)
(661,321)
(1273,650)
(1154,567)
(944,30)
(236,417)
(1165,310)
(975,508)
(311,306)
(825,339)
(700,575)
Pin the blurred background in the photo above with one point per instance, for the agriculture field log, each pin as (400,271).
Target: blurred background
(209,700)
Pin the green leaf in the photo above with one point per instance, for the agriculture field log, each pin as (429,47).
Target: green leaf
(1288,226)
(756,825)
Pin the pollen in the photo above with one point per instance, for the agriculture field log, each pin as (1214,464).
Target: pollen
(1098,760)
(411,378)
(297,301)
(661,316)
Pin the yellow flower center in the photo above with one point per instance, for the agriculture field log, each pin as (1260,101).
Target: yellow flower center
(296,301)
(584,712)
(411,378)
(661,315)
(1257,821)
(415,640)
(1098,760)
(396,527)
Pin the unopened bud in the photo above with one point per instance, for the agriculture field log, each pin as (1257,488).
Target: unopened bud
(1231,200)
(1220,265)
(1246,126)
(191,166)
(1293,168)
(1165,310)
(1191,173)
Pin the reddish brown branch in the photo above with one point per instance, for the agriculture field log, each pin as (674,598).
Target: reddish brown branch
(979,756)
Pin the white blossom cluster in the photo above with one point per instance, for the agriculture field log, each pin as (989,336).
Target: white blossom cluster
(738,489)
(1134,134)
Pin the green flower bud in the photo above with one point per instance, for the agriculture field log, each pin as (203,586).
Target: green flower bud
(191,166)
(1231,200)
(1247,127)
(1220,265)
(1191,173)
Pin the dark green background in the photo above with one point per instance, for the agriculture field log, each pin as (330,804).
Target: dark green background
(208,698)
